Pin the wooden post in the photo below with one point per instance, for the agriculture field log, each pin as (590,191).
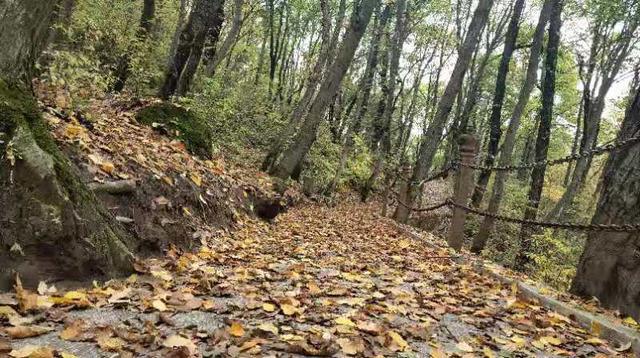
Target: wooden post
(462,190)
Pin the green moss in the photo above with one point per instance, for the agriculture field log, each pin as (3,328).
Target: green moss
(190,129)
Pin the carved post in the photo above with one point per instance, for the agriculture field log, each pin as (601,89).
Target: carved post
(462,189)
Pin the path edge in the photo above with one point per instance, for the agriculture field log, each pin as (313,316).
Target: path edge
(609,329)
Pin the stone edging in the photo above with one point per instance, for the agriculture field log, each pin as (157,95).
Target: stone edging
(609,329)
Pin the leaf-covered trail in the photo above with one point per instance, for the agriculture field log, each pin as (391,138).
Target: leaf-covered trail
(319,281)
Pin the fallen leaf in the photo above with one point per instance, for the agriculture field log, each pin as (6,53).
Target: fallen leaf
(397,342)
(345,321)
(464,347)
(159,305)
(349,347)
(27,331)
(31,351)
(236,329)
(269,327)
(179,341)
(111,344)
(268,307)
(288,309)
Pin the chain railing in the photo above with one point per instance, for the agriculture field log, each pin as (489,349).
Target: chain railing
(464,182)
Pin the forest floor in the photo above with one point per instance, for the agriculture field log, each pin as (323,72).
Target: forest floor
(317,281)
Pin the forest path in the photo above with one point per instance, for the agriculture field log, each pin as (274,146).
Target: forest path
(319,281)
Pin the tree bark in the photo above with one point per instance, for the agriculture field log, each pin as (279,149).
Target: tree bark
(310,90)
(295,153)
(506,154)
(495,121)
(383,145)
(609,51)
(544,130)
(230,39)
(189,48)
(609,267)
(431,139)
(48,212)
(366,84)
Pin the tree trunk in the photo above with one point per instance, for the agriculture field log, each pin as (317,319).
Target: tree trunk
(366,85)
(229,41)
(48,212)
(383,147)
(609,267)
(310,91)
(608,54)
(123,69)
(544,130)
(295,153)
(431,139)
(508,146)
(495,121)
(207,15)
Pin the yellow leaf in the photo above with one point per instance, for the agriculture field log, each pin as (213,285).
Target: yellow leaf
(268,327)
(630,321)
(437,353)
(7,311)
(107,167)
(397,342)
(31,351)
(349,347)
(162,274)
(196,179)
(464,347)
(344,321)
(596,328)
(288,309)
(67,355)
(75,295)
(236,330)
(551,340)
(488,353)
(179,341)
(159,305)
(268,307)
(111,344)
(595,341)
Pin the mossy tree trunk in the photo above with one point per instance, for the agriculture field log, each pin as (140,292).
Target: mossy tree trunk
(51,225)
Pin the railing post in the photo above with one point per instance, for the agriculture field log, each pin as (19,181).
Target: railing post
(462,190)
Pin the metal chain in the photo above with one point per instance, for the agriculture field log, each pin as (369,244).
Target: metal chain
(547,224)
(570,226)
(550,162)
(446,203)
(443,174)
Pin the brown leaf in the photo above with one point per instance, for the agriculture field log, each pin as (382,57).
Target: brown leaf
(27,331)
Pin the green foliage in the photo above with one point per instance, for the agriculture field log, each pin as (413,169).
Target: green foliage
(188,127)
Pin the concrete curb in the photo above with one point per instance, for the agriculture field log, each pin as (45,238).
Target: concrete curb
(609,330)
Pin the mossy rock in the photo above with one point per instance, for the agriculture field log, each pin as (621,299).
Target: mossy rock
(182,123)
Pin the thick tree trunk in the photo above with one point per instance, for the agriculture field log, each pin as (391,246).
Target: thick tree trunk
(609,267)
(495,121)
(229,41)
(544,131)
(189,48)
(295,153)
(48,212)
(508,146)
(431,139)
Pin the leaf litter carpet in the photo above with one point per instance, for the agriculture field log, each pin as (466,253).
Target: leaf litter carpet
(319,281)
